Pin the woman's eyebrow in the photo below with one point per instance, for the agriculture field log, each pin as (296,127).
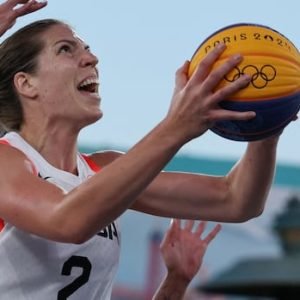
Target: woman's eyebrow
(72,42)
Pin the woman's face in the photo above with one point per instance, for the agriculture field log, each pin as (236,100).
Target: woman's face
(67,78)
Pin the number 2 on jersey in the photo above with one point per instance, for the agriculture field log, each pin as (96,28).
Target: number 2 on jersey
(73,262)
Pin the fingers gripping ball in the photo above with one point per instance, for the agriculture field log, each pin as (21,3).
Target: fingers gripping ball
(273,63)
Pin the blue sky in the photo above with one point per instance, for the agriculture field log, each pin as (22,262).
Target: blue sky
(140,44)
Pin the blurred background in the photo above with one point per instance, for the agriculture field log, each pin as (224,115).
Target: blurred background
(140,44)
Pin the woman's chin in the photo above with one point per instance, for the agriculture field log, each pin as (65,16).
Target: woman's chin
(95,116)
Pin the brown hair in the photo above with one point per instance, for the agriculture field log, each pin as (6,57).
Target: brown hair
(18,53)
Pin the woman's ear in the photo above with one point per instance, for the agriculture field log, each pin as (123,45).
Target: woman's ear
(24,84)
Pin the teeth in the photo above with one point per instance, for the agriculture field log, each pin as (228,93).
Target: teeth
(89,81)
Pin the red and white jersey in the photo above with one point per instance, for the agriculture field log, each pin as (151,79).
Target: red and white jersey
(34,268)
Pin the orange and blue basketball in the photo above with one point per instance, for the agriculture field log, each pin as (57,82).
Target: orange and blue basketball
(273,62)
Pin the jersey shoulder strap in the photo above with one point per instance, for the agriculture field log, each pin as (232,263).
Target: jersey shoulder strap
(91,163)
(5,142)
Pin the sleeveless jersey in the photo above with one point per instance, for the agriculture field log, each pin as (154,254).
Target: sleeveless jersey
(34,268)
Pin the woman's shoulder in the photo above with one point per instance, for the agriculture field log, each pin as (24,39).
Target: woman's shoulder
(13,159)
(103,158)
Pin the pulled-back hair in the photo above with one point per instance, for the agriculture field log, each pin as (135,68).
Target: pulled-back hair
(19,53)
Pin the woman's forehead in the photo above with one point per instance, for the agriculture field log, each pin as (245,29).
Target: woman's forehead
(61,32)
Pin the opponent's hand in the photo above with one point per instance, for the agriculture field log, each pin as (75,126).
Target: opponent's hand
(10,10)
(195,103)
(183,248)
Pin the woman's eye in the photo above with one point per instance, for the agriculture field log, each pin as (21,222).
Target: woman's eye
(65,48)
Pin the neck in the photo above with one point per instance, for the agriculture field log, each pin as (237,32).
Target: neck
(58,146)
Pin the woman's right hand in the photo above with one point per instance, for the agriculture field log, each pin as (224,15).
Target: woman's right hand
(10,10)
(195,103)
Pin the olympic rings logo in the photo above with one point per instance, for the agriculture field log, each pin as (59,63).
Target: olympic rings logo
(259,77)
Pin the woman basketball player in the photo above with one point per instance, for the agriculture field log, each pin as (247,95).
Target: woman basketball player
(59,208)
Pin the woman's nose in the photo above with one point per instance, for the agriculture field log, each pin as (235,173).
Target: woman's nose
(88,59)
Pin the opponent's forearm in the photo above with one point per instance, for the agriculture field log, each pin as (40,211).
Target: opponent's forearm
(173,287)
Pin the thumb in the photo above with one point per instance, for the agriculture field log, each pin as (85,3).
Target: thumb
(181,77)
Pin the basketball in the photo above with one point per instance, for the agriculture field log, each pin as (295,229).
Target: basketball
(273,63)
